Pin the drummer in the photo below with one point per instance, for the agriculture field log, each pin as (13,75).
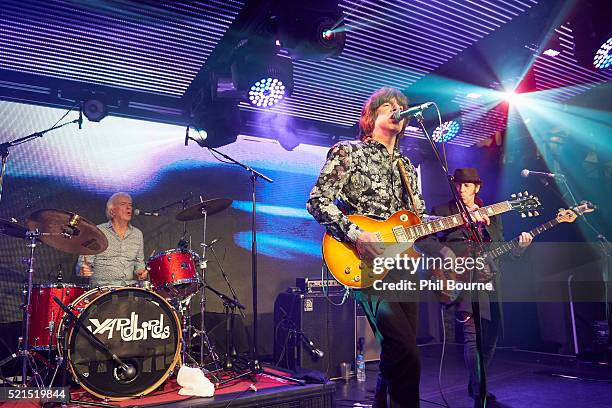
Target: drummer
(122,263)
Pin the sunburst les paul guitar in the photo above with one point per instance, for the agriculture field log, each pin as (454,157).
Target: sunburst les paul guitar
(398,233)
(448,297)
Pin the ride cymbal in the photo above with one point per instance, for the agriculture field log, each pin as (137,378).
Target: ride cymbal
(212,206)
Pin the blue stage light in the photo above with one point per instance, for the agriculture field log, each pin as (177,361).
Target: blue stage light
(449,129)
(603,56)
(267,92)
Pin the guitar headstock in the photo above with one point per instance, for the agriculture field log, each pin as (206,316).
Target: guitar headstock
(566,215)
(584,207)
(526,204)
(570,215)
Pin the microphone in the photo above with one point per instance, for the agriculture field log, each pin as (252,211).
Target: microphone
(411,111)
(187,136)
(527,173)
(126,372)
(315,352)
(211,243)
(138,211)
(80,121)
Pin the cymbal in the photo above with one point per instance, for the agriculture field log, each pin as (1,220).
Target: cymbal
(212,206)
(68,232)
(12,229)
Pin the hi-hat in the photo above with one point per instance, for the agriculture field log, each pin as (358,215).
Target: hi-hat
(68,232)
(12,229)
(210,207)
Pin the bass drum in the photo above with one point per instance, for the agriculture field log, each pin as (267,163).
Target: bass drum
(139,326)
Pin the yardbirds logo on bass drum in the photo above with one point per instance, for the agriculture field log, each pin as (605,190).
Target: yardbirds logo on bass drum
(130,329)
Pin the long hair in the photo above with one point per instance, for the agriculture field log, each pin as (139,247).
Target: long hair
(368,113)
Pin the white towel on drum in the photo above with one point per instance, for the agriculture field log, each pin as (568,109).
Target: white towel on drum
(194,382)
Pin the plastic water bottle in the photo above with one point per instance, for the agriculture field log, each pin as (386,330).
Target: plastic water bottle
(360,367)
(360,361)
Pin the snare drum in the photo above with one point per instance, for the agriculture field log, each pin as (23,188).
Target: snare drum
(45,314)
(139,326)
(173,273)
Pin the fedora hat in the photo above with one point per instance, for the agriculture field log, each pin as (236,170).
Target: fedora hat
(466,175)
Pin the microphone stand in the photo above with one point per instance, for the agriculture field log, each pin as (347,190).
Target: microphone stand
(477,238)
(4,147)
(255,367)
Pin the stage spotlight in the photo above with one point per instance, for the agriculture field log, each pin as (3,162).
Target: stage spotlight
(591,30)
(311,30)
(448,131)
(264,77)
(512,97)
(267,92)
(218,124)
(94,109)
(603,57)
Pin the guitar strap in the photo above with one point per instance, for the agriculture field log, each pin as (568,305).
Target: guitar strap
(406,183)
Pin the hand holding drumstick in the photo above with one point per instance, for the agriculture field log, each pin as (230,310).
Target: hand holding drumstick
(86,270)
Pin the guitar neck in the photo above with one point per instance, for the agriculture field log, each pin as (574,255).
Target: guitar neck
(510,245)
(420,230)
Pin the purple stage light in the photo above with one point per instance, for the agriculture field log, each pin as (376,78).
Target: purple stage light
(267,92)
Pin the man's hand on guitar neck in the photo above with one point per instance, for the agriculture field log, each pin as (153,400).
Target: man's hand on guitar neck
(477,217)
(368,246)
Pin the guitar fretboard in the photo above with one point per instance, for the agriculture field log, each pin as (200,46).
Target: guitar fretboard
(420,230)
(510,245)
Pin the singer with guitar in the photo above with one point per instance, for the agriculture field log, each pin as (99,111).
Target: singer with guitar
(453,243)
(372,177)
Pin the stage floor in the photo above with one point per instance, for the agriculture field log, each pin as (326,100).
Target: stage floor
(518,379)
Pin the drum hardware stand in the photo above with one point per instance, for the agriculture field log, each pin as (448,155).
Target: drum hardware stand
(28,359)
(254,364)
(129,371)
(63,362)
(204,339)
(229,306)
(203,335)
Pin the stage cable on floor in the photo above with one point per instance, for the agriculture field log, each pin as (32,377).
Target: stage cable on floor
(442,356)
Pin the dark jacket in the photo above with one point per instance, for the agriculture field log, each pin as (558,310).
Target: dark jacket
(457,239)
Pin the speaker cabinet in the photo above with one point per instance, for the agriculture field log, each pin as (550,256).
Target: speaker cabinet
(300,318)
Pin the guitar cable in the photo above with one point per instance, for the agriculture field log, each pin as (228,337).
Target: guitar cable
(442,356)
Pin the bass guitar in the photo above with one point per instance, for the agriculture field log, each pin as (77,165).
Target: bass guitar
(448,297)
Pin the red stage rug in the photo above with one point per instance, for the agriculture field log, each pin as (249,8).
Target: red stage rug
(169,392)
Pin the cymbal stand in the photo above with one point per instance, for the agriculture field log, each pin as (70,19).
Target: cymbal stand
(203,336)
(27,358)
(204,339)
(23,348)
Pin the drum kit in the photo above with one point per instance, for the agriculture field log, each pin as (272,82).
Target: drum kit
(115,342)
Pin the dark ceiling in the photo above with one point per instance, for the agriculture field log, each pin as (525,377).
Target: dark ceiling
(151,57)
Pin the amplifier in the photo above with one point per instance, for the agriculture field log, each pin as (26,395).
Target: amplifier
(312,333)
(307,285)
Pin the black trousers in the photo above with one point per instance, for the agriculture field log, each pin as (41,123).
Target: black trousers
(395,325)
(489,336)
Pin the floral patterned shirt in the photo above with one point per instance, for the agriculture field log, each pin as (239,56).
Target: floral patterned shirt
(359,178)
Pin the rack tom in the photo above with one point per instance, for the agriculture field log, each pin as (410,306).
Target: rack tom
(174,273)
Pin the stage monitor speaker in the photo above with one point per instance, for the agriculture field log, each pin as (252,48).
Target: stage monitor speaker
(303,318)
